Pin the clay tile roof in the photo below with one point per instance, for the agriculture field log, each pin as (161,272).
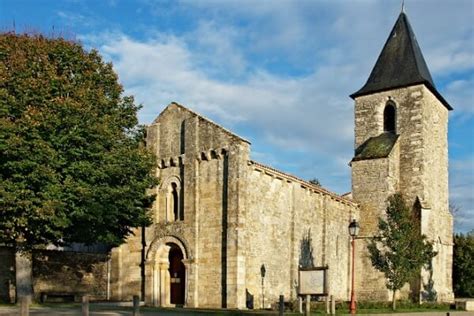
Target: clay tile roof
(400,64)
(376,147)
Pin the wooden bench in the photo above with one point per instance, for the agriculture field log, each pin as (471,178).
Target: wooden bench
(51,296)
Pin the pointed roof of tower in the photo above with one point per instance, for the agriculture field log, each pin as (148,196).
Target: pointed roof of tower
(400,64)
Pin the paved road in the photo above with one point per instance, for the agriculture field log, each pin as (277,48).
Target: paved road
(114,311)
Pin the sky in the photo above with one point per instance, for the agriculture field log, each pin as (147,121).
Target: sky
(278,73)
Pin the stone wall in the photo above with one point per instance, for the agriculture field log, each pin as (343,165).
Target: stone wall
(125,269)
(70,272)
(204,161)
(421,122)
(238,215)
(437,220)
(281,211)
(373,181)
(58,272)
(211,241)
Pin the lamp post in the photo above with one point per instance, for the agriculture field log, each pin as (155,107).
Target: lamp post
(262,274)
(353,231)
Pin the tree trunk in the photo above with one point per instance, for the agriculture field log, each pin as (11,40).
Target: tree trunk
(24,274)
(394,302)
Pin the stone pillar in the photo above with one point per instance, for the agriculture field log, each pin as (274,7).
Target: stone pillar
(116,276)
(149,282)
(23,267)
(189,298)
(236,164)
(156,285)
(164,282)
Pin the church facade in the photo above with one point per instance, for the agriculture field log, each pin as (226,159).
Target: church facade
(220,218)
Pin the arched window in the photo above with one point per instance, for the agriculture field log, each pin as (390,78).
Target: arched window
(173,206)
(175,201)
(389,118)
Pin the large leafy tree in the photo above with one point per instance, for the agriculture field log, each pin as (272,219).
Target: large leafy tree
(400,251)
(463,263)
(73,166)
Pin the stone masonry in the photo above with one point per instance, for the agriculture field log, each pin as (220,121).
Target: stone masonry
(416,167)
(237,216)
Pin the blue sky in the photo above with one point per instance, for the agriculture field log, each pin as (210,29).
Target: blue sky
(275,72)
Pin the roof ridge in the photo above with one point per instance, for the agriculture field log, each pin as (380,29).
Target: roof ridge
(413,41)
(319,189)
(205,119)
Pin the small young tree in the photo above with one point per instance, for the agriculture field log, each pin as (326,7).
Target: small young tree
(400,251)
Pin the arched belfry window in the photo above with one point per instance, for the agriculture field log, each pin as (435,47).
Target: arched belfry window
(389,118)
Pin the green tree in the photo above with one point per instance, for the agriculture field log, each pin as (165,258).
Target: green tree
(463,263)
(400,250)
(73,165)
(315,181)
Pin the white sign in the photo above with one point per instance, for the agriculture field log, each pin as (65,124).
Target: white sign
(312,282)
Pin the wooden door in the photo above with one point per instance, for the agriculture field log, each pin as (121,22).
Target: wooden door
(177,276)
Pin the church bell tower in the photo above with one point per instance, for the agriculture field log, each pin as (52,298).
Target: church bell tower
(401,126)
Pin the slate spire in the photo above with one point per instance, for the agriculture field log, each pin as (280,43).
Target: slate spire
(400,64)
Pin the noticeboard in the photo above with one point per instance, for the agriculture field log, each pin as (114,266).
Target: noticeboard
(313,281)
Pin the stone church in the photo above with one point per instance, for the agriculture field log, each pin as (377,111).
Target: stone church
(219,217)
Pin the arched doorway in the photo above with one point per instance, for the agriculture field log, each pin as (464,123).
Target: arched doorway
(167,268)
(177,275)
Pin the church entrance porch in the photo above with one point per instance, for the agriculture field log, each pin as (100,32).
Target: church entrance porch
(166,274)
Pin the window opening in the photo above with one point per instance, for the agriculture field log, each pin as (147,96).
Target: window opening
(174,196)
(389,117)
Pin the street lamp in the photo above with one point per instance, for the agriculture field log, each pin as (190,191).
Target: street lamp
(262,274)
(353,231)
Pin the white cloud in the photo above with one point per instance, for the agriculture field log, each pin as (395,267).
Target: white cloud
(462,192)
(294,113)
(213,46)
(460,93)
(221,69)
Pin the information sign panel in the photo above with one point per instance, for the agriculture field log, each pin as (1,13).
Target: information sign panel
(312,281)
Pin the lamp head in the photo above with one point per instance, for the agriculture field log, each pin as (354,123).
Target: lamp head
(354,228)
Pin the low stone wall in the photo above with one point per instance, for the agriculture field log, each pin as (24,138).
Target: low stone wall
(58,272)
(465,304)
(70,272)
